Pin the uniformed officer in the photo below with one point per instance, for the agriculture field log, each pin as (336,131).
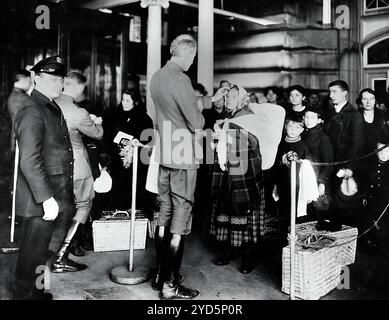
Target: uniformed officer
(45,174)
(177,113)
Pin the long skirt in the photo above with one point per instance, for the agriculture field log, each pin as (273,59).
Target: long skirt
(240,228)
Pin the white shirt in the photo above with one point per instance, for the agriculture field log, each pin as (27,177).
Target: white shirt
(339,107)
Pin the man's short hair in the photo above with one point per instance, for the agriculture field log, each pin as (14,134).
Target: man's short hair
(340,83)
(79,77)
(182,42)
(19,74)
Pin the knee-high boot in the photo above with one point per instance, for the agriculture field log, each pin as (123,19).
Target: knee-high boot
(62,263)
(75,248)
(172,289)
(162,241)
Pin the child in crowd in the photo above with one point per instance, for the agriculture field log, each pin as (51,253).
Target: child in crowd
(291,147)
(321,150)
(376,198)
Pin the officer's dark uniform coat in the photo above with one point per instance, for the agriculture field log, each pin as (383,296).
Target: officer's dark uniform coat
(46,157)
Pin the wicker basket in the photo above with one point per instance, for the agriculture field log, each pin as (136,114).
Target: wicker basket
(346,240)
(112,231)
(317,272)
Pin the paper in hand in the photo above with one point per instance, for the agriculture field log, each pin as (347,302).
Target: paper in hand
(123,138)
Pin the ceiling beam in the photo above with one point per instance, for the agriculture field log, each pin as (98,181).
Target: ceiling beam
(100,4)
(238,16)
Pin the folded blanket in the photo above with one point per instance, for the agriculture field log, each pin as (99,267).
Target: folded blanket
(266,124)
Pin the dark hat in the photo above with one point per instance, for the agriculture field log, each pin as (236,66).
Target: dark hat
(313,109)
(51,65)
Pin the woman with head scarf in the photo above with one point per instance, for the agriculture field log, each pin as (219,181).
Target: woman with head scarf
(237,183)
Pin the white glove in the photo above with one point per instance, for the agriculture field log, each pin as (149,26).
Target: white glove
(345,173)
(96,120)
(51,209)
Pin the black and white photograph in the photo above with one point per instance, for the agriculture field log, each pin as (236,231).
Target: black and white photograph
(214,153)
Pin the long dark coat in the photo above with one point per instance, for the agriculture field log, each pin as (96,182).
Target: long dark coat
(46,157)
(346,132)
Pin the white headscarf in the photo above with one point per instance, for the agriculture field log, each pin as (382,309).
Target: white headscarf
(243,100)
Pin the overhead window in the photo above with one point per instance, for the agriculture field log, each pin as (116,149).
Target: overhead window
(376,4)
(135,29)
(378,53)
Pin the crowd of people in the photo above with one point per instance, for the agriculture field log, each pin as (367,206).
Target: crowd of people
(63,147)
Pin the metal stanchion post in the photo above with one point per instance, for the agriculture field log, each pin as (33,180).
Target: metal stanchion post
(128,274)
(292,227)
(12,248)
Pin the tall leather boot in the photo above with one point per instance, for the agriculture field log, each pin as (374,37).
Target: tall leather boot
(161,242)
(247,258)
(75,248)
(86,237)
(62,263)
(172,289)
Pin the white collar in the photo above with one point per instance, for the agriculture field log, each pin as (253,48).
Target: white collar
(339,107)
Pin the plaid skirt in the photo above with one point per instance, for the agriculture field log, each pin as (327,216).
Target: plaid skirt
(226,225)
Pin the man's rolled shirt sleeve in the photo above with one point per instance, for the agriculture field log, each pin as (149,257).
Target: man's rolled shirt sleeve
(30,131)
(186,100)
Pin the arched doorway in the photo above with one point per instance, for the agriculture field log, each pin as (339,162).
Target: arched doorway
(376,64)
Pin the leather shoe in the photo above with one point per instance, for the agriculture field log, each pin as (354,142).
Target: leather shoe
(157,283)
(67,265)
(178,291)
(246,268)
(225,259)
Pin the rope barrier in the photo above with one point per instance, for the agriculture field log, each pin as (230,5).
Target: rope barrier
(353,239)
(342,163)
(338,163)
